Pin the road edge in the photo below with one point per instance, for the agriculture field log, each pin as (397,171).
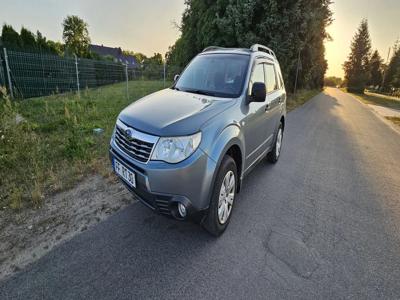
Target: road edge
(379,116)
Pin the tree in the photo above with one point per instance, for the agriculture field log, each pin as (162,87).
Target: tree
(392,76)
(41,41)
(10,38)
(76,36)
(375,67)
(55,47)
(286,26)
(356,67)
(139,57)
(48,46)
(27,39)
(156,59)
(333,81)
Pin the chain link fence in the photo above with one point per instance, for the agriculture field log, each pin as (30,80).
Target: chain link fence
(28,75)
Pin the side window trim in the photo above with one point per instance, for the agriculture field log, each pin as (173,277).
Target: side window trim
(277,85)
(278,79)
(255,64)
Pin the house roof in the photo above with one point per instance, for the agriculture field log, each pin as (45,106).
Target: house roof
(114,52)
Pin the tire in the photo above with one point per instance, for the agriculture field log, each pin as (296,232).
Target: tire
(215,222)
(275,153)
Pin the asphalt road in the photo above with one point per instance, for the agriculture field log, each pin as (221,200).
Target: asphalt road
(322,223)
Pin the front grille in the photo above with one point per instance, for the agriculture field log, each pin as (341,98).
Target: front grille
(134,147)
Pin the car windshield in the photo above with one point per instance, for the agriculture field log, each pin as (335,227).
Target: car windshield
(220,75)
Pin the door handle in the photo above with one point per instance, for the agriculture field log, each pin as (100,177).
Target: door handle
(267,107)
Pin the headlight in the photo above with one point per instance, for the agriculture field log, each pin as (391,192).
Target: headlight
(176,149)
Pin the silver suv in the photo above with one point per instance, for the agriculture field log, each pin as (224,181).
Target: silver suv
(185,150)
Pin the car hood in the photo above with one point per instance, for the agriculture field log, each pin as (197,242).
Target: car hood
(173,113)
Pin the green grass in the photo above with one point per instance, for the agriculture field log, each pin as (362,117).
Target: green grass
(55,146)
(377,99)
(301,97)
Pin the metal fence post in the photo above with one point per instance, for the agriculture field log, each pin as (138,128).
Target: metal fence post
(8,74)
(127,81)
(2,79)
(77,75)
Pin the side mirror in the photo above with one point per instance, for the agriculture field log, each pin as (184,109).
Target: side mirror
(258,92)
(176,77)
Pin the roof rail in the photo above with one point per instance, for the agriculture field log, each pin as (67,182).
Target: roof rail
(210,48)
(258,47)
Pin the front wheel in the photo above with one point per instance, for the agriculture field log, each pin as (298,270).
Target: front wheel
(224,192)
(273,156)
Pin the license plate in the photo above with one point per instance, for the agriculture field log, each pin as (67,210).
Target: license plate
(123,172)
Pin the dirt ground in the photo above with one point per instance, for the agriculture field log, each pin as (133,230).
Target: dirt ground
(30,234)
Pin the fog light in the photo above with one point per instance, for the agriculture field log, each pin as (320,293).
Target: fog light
(182,210)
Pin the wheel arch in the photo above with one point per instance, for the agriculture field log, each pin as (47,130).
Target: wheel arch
(230,141)
(236,153)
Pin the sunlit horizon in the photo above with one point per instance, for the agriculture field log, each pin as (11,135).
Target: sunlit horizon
(384,27)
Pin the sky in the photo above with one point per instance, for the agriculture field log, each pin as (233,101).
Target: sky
(148,26)
(137,25)
(384,27)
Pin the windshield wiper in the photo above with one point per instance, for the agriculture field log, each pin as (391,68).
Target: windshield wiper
(175,88)
(201,92)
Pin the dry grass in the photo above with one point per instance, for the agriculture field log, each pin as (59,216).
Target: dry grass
(395,120)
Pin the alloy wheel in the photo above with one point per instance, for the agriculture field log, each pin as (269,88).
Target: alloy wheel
(278,142)
(226,197)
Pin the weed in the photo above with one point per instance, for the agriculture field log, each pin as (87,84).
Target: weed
(15,198)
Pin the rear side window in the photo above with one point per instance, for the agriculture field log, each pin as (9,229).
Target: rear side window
(270,78)
(256,76)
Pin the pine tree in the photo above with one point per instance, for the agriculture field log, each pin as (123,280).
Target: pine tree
(375,66)
(10,37)
(356,68)
(392,76)
(28,40)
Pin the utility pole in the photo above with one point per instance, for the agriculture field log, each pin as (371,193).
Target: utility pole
(297,73)
(384,70)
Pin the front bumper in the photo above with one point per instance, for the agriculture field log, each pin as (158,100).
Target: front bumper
(161,186)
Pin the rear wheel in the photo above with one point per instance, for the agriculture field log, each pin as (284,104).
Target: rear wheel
(273,156)
(222,199)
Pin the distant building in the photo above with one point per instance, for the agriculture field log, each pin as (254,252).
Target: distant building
(116,53)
